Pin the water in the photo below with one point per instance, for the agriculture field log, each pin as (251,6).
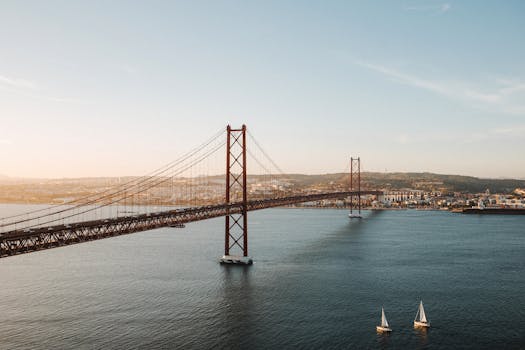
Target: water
(319,281)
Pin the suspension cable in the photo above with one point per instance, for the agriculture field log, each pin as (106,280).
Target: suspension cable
(120,189)
(180,171)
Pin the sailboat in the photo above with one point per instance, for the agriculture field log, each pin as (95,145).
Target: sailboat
(384,323)
(422,321)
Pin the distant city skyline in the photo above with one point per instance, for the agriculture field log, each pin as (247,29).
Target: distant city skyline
(119,88)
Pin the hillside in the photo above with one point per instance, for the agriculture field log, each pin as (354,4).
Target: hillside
(424,181)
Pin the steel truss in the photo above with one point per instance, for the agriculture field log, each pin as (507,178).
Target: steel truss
(355,183)
(31,240)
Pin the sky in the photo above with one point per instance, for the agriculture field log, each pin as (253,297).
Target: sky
(114,88)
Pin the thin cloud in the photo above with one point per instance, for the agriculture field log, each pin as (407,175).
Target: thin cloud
(509,132)
(438,8)
(405,78)
(507,96)
(445,8)
(17,83)
(29,89)
(516,130)
(127,68)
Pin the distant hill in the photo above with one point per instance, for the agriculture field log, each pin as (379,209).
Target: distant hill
(456,183)
(373,180)
(424,181)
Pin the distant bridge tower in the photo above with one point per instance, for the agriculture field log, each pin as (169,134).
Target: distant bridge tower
(236,222)
(355,185)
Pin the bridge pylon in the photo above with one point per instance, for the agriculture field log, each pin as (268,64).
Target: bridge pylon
(355,185)
(236,219)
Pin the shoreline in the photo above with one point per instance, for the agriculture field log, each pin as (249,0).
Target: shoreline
(367,208)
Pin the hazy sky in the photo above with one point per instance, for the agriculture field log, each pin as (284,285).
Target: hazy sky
(98,88)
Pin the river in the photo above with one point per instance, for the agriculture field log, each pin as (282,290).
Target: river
(319,281)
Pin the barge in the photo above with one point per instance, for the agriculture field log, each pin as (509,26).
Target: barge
(499,211)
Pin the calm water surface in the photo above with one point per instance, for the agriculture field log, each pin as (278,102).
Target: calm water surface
(319,281)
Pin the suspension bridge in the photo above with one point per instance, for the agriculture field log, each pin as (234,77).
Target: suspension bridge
(183,191)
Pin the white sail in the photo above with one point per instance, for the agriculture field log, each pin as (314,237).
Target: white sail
(384,322)
(422,316)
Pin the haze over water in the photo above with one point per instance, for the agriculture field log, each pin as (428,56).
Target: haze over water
(319,281)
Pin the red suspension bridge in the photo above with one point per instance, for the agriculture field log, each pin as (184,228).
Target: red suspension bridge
(181,192)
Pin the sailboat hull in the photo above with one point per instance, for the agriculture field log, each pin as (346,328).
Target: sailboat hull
(421,324)
(383,329)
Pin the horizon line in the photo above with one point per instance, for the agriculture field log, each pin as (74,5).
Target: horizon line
(7,177)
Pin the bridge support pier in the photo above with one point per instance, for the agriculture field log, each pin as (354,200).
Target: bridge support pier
(236,220)
(355,184)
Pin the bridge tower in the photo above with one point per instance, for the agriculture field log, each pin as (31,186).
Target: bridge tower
(236,220)
(355,185)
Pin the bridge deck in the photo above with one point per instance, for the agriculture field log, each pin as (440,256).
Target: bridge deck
(30,240)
